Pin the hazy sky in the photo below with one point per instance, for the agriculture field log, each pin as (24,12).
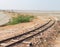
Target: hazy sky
(30,4)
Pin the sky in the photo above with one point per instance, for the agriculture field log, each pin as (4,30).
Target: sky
(49,5)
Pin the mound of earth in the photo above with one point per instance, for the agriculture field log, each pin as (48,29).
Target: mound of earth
(4,19)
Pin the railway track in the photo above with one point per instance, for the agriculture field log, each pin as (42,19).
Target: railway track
(18,39)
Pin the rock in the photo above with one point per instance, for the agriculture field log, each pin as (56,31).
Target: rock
(4,19)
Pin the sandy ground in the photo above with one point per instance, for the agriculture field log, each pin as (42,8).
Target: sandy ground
(14,30)
(57,42)
(50,38)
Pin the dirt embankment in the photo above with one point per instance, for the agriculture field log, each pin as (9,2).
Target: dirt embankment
(57,40)
(51,38)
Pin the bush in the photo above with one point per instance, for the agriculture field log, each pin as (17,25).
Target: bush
(20,19)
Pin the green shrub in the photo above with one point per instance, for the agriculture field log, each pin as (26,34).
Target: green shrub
(20,19)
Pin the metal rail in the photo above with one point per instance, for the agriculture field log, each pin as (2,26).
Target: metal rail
(18,39)
(25,32)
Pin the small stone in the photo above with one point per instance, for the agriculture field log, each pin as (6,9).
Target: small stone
(3,44)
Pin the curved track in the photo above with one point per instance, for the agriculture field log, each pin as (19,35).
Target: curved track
(18,39)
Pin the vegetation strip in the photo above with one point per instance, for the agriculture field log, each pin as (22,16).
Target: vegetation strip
(20,19)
